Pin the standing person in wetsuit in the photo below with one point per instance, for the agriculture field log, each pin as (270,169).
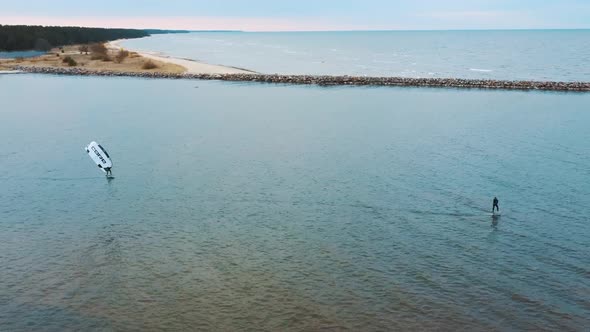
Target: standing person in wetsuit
(495,206)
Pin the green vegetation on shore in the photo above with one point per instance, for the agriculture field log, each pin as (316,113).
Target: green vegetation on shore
(29,37)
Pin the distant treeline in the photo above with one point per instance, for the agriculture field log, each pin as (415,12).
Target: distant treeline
(29,37)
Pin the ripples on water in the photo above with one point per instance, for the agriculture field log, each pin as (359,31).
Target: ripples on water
(256,207)
(505,55)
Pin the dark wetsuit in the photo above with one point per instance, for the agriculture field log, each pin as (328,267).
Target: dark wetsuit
(108,169)
(495,206)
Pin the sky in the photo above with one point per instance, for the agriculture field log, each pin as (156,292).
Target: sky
(302,15)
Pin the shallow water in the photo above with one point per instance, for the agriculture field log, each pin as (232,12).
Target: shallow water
(276,207)
(20,54)
(557,55)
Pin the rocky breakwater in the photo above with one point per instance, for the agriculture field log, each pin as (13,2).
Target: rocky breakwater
(330,80)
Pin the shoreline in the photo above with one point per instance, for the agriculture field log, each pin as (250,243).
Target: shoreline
(93,57)
(191,66)
(325,80)
(168,67)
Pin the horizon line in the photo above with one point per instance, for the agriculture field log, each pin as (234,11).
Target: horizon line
(327,30)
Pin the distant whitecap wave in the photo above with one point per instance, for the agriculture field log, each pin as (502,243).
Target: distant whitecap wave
(481,70)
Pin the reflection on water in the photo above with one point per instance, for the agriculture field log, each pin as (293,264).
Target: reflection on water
(262,207)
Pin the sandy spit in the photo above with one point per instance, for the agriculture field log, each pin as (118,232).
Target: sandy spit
(192,66)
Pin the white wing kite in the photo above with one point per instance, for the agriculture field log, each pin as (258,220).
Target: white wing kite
(100,157)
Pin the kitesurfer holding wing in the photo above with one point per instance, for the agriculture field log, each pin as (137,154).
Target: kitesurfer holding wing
(495,206)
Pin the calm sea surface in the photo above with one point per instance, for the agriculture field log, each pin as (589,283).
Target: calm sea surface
(559,55)
(288,208)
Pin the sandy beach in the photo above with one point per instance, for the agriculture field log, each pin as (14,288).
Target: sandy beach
(192,66)
(58,58)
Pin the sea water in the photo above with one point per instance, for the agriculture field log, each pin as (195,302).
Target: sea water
(558,55)
(20,54)
(287,208)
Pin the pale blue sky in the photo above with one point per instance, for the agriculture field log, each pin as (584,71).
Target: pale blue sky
(303,14)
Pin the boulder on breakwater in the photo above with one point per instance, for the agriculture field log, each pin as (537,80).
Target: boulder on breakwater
(329,80)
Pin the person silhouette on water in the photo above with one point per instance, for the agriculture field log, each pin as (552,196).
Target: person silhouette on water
(495,206)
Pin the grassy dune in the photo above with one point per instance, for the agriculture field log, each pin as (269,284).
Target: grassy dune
(111,59)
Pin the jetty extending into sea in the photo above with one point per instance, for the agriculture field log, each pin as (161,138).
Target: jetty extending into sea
(326,80)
